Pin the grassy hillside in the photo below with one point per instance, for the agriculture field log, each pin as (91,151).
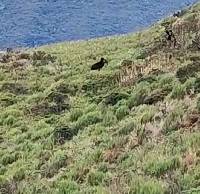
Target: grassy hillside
(65,129)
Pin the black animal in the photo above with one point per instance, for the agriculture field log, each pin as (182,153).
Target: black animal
(99,65)
(170,36)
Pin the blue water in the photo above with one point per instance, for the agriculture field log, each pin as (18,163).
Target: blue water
(30,23)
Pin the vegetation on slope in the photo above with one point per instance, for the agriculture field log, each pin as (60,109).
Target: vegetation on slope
(66,129)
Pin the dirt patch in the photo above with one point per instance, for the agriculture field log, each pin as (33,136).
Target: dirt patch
(189,160)
(153,129)
(133,141)
(67,89)
(81,175)
(190,121)
(20,59)
(8,100)
(114,97)
(54,103)
(63,134)
(8,187)
(185,72)
(42,58)
(14,88)
(45,109)
(58,98)
(156,72)
(97,84)
(156,96)
(14,56)
(152,98)
(52,168)
(112,155)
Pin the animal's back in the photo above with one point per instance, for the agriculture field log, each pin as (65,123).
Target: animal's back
(96,66)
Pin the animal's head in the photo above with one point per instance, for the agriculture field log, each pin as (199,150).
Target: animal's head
(104,61)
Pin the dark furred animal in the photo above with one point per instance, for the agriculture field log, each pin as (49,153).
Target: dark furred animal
(170,36)
(99,65)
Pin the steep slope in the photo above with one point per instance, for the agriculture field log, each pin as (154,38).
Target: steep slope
(66,129)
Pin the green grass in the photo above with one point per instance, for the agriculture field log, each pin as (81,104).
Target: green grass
(66,129)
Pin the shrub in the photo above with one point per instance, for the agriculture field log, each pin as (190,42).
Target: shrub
(178,91)
(98,129)
(158,167)
(121,112)
(94,157)
(9,158)
(75,114)
(197,85)
(89,119)
(109,118)
(2,169)
(145,114)
(114,97)
(19,174)
(10,116)
(198,104)
(128,126)
(42,130)
(103,167)
(166,82)
(185,72)
(190,84)
(138,95)
(66,186)
(151,186)
(10,120)
(140,54)
(173,119)
(52,167)
(95,178)
(136,99)
(190,180)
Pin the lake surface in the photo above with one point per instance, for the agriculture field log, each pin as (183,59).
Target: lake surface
(30,23)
